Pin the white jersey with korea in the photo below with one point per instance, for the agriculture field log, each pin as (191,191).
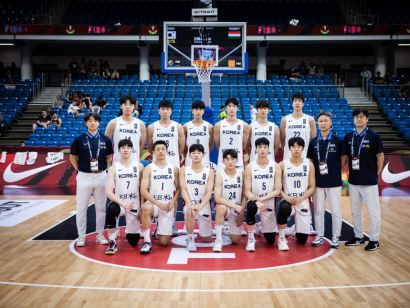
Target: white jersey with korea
(170,135)
(232,187)
(231,137)
(127,130)
(259,131)
(263,179)
(199,135)
(162,182)
(196,184)
(296,128)
(296,179)
(127,182)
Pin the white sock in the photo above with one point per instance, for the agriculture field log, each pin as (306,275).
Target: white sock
(112,236)
(147,236)
(251,236)
(282,234)
(218,233)
(191,237)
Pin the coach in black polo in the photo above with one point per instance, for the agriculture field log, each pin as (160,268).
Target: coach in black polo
(365,156)
(91,155)
(326,152)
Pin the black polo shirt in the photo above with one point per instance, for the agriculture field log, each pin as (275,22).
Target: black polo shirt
(336,150)
(371,146)
(80,148)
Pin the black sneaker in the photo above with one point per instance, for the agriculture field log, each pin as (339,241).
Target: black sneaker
(372,245)
(146,249)
(112,249)
(355,241)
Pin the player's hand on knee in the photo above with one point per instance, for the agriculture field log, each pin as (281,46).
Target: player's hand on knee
(127,205)
(261,206)
(238,209)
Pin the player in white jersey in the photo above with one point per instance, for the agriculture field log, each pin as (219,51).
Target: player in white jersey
(231,133)
(296,124)
(229,199)
(298,180)
(169,131)
(263,128)
(198,131)
(197,182)
(262,185)
(160,187)
(127,127)
(123,189)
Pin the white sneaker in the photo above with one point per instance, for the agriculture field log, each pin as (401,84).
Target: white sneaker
(217,247)
(250,246)
(335,243)
(289,231)
(283,244)
(190,245)
(81,241)
(100,239)
(312,230)
(318,241)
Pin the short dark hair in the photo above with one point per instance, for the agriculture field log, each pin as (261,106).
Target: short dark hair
(324,113)
(298,95)
(160,142)
(165,104)
(297,140)
(125,142)
(262,141)
(94,115)
(262,103)
(124,99)
(232,100)
(196,147)
(231,152)
(358,111)
(198,105)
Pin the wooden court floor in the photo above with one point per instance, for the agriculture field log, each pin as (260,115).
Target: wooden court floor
(47,274)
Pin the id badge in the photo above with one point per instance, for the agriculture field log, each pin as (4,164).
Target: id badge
(323,168)
(94,165)
(355,163)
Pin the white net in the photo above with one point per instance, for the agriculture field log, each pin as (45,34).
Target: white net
(204,70)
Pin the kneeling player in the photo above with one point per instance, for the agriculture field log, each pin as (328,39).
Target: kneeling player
(197,182)
(160,187)
(298,177)
(229,199)
(262,185)
(123,190)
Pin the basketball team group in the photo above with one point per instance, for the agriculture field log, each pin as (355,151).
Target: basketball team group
(248,186)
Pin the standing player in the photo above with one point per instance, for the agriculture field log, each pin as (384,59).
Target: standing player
(229,199)
(231,133)
(263,128)
(326,152)
(197,182)
(262,185)
(160,187)
(127,127)
(169,131)
(298,178)
(296,124)
(198,131)
(123,184)
(365,155)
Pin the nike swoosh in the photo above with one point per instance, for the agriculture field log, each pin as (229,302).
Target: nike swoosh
(389,177)
(10,176)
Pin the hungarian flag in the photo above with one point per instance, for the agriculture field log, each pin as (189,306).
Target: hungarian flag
(234,34)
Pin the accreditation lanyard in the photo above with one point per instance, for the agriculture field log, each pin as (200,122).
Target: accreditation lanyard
(323,163)
(356,158)
(94,161)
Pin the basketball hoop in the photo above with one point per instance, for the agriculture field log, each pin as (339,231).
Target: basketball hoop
(204,69)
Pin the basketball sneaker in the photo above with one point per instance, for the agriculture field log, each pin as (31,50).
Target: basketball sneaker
(283,244)
(290,231)
(372,245)
(250,246)
(312,230)
(335,243)
(146,248)
(217,247)
(190,245)
(81,241)
(355,241)
(100,239)
(112,249)
(318,241)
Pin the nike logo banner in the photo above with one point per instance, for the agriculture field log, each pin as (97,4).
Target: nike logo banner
(390,178)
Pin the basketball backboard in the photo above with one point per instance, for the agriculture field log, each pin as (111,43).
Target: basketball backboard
(222,42)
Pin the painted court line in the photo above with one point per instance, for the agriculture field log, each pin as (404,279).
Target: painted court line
(318,288)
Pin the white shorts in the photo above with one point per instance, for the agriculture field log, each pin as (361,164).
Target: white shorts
(165,220)
(204,222)
(231,216)
(132,223)
(303,217)
(268,217)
